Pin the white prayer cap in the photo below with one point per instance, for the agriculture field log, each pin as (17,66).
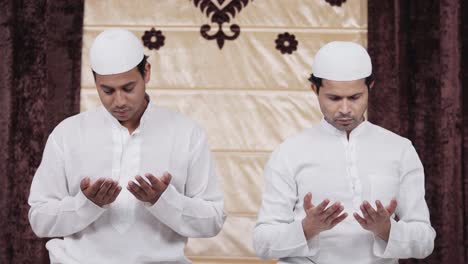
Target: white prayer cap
(342,61)
(115,51)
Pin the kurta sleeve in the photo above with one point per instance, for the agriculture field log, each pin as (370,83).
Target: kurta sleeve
(412,236)
(199,212)
(54,211)
(277,234)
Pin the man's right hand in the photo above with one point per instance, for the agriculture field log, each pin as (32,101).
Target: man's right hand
(318,218)
(102,191)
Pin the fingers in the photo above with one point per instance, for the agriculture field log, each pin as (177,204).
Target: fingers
(108,192)
(166,178)
(368,212)
(84,184)
(380,208)
(360,220)
(319,208)
(144,185)
(338,219)
(156,183)
(392,206)
(332,212)
(308,202)
(114,185)
(153,179)
(376,221)
(114,193)
(149,190)
(136,190)
(94,188)
(102,192)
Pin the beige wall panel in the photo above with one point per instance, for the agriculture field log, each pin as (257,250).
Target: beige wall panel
(234,240)
(188,61)
(258,13)
(237,120)
(241,177)
(248,96)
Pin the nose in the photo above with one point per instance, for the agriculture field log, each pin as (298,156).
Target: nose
(345,107)
(120,99)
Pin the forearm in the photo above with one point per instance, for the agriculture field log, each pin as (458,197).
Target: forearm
(189,217)
(283,240)
(58,218)
(406,240)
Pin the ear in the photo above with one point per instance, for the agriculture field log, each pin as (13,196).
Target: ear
(314,88)
(371,85)
(147,72)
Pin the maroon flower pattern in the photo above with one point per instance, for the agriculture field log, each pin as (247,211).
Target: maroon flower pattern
(286,43)
(153,39)
(220,17)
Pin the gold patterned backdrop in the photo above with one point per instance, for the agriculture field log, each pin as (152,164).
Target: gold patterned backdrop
(248,88)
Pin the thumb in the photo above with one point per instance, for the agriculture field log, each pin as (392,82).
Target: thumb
(392,206)
(84,184)
(308,201)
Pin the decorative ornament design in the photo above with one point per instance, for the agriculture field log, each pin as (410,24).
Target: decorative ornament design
(221,12)
(153,39)
(286,43)
(335,2)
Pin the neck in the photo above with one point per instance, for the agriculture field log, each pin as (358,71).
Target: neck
(349,132)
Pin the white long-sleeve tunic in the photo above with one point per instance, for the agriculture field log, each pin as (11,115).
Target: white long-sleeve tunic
(373,164)
(94,144)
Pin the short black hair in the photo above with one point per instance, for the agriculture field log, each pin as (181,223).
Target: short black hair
(140,67)
(318,81)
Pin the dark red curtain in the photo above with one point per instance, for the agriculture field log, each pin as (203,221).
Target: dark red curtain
(40,66)
(420,55)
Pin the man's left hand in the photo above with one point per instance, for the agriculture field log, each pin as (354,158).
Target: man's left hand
(149,191)
(377,221)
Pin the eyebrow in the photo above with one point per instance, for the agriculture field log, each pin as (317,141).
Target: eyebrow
(123,86)
(338,96)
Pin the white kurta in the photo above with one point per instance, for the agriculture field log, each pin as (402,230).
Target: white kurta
(94,144)
(373,164)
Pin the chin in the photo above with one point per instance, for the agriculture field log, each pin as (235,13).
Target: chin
(348,128)
(121,119)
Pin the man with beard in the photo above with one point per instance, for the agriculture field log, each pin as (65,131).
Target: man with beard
(345,190)
(127,182)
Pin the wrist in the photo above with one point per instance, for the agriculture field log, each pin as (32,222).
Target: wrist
(384,233)
(308,232)
(155,200)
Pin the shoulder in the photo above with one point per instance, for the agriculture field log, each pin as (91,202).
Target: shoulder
(306,138)
(387,136)
(294,147)
(75,122)
(163,115)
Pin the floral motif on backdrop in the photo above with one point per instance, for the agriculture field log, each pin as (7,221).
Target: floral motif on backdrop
(286,43)
(153,39)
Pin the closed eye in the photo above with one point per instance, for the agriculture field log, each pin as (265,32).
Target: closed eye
(108,91)
(128,89)
(355,96)
(334,98)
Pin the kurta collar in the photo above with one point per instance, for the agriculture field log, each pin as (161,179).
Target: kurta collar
(334,131)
